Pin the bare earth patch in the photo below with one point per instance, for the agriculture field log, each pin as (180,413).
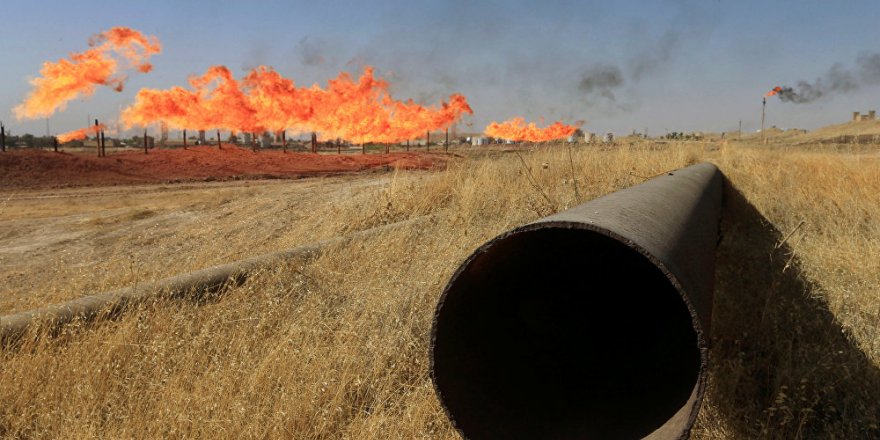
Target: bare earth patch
(47,169)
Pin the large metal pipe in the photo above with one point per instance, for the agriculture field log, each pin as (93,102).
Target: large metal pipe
(198,283)
(591,324)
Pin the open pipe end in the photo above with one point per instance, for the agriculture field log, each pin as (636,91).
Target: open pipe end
(554,331)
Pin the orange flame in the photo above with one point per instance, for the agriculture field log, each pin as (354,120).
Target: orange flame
(360,111)
(517,130)
(775,90)
(276,101)
(65,79)
(82,133)
(216,102)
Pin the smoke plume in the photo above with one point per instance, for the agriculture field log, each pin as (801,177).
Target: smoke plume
(601,80)
(649,61)
(838,79)
(311,52)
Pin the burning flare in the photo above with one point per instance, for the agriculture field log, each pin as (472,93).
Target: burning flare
(68,79)
(775,90)
(517,130)
(360,111)
(82,133)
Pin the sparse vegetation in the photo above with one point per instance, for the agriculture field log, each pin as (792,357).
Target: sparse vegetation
(338,348)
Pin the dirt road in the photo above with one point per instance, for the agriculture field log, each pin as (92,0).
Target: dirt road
(57,244)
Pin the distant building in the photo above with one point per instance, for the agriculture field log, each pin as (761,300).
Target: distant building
(870,116)
(608,138)
(266,140)
(478,140)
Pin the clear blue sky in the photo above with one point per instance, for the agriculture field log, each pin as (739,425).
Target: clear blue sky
(674,65)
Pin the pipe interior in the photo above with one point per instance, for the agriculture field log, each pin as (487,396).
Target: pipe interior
(561,333)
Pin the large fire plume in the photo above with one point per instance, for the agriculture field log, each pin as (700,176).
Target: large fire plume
(82,133)
(360,111)
(516,129)
(67,79)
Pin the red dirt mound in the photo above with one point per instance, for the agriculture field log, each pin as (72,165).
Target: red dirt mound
(37,169)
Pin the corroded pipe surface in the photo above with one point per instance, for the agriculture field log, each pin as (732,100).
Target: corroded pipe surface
(589,324)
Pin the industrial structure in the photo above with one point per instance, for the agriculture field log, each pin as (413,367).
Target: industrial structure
(870,116)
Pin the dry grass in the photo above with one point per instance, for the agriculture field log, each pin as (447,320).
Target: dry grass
(61,244)
(338,348)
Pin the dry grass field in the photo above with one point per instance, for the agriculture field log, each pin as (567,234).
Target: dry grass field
(338,347)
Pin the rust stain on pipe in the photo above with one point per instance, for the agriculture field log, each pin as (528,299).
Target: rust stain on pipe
(591,323)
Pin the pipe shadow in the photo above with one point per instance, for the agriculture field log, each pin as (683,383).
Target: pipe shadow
(781,365)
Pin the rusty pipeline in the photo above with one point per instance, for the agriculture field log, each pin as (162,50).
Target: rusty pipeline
(592,323)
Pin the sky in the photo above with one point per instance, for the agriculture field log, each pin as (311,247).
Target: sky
(661,66)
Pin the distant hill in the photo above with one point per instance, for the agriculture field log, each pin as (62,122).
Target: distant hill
(774,133)
(859,129)
(852,132)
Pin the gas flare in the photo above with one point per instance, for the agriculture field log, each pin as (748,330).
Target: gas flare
(360,111)
(216,102)
(364,111)
(516,129)
(353,110)
(775,90)
(278,104)
(82,133)
(67,79)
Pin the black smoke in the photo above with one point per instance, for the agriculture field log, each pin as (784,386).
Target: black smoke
(601,80)
(658,55)
(838,79)
(311,52)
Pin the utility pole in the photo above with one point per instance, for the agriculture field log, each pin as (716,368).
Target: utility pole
(98,137)
(314,142)
(428,139)
(103,145)
(763,109)
(184,139)
(2,138)
(145,141)
(446,142)
(219,146)
(284,140)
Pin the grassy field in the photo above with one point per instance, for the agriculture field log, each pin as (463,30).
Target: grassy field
(338,348)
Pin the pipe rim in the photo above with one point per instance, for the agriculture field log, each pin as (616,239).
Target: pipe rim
(702,340)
